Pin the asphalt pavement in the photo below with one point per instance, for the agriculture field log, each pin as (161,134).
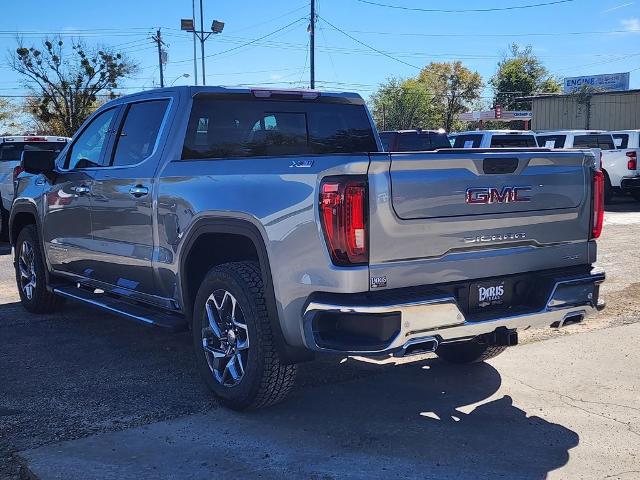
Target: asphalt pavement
(84,394)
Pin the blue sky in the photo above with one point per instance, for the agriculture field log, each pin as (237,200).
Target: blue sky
(414,37)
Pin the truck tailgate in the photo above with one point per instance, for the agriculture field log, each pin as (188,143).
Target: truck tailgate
(444,217)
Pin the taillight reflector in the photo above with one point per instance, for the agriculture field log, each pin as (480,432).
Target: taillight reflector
(632,163)
(598,204)
(343,214)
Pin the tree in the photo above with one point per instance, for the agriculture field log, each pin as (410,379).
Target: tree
(453,87)
(401,104)
(66,88)
(520,74)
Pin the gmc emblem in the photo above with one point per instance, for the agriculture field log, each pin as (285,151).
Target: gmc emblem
(486,195)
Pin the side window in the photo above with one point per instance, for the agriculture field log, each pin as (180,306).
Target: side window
(606,142)
(137,137)
(87,151)
(621,140)
(467,141)
(8,152)
(551,141)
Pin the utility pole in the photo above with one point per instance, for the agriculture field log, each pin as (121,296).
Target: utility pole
(158,39)
(195,54)
(312,46)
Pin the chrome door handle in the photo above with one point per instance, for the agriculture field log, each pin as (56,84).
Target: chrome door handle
(138,191)
(81,190)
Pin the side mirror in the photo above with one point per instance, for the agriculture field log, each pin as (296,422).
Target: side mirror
(38,161)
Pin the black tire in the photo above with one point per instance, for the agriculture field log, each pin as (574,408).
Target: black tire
(42,300)
(636,194)
(468,352)
(265,380)
(608,189)
(4,225)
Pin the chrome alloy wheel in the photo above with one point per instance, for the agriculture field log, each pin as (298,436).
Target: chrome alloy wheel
(27,266)
(225,339)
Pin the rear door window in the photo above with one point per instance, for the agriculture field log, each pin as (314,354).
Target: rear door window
(621,140)
(606,142)
(586,141)
(513,141)
(136,139)
(551,141)
(467,141)
(250,127)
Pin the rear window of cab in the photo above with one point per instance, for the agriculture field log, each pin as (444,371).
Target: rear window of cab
(250,127)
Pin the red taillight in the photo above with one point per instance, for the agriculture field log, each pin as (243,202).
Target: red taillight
(343,214)
(598,204)
(35,139)
(632,163)
(17,170)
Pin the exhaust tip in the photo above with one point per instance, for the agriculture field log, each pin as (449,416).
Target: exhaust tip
(418,346)
(570,319)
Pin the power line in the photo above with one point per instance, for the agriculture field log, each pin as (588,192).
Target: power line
(367,45)
(474,35)
(466,10)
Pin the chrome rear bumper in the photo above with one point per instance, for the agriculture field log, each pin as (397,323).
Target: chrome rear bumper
(442,319)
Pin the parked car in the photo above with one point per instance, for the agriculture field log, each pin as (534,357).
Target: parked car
(621,171)
(414,140)
(629,142)
(494,139)
(272,225)
(11,149)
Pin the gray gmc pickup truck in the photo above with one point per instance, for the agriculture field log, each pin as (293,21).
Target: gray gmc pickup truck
(271,224)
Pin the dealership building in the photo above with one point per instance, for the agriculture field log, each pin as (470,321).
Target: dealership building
(617,108)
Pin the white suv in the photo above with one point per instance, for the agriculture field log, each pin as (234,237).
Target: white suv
(493,139)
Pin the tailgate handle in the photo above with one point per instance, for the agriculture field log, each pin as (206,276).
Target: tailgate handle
(499,165)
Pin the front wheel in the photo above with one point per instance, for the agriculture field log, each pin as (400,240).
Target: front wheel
(31,278)
(470,351)
(234,341)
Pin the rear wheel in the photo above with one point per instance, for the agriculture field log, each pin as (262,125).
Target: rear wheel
(4,225)
(470,351)
(30,274)
(608,189)
(234,342)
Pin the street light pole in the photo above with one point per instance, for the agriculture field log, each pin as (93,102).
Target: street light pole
(202,39)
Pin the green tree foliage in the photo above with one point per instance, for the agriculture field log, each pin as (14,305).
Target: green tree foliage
(519,74)
(401,104)
(454,89)
(65,85)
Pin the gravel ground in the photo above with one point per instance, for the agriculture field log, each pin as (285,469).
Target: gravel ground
(81,372)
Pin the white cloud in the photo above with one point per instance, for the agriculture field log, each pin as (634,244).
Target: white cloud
(631,24)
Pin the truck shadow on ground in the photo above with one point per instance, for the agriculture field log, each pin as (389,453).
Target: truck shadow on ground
(346,419)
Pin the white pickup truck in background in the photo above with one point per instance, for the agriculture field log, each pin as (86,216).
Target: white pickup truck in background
(493,139)
(620,166)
